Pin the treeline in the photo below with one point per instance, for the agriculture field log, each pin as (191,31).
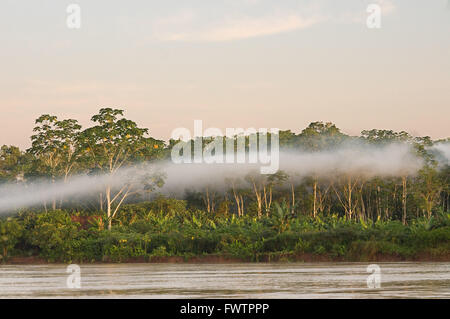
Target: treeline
(61,149)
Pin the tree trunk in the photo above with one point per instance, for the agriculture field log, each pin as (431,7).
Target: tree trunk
(108,206)
(378,203)
(350,208)
(54,198)
(258,200)
(265,201)
(236,198)
(404,200)
(242,205)
(293,199)
(207,201)
(314,198)
(363,207)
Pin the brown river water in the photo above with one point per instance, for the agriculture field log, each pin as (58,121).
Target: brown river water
(258,280)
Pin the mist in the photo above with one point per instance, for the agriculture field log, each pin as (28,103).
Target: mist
(360,160)
(442,153)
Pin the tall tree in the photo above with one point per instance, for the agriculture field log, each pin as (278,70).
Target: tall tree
(114,143)
(55,147)
(428,188)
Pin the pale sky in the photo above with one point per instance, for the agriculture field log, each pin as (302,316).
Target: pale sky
(230,63)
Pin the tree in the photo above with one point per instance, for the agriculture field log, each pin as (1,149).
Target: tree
(209,195)
(319,193)
(348,184)
(318,136)
(55,147)
(10,232)
(428,187)
(114,143)
(381,137)
(13,164)
(385,136)
(238,194)
(263,186)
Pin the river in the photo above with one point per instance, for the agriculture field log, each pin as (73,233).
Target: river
(249,280)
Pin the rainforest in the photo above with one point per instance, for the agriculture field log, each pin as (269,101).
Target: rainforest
(110,193)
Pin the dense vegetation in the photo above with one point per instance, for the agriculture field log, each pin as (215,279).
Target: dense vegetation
(255,218)
(165,227)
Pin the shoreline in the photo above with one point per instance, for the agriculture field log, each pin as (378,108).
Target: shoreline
(222,259)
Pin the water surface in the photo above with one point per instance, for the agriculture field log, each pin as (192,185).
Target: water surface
(284,280)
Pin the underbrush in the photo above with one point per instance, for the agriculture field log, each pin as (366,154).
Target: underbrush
(144,232)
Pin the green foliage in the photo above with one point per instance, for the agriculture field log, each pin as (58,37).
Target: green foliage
(13,164)
(54,146)
(155,233)
(114,141)
(10,234)
(55,235)
(252,217)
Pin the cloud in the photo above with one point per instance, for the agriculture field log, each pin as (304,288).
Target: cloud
(243,28)
(256,18)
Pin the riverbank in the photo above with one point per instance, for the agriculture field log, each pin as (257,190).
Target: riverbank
(195,237)
(264,258)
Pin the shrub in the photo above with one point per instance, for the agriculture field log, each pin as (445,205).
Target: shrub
(56,236)
(10,235)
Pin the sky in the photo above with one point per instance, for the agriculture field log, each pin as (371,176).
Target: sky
(234,63)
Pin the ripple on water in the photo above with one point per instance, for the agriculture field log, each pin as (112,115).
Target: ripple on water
(290,280)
